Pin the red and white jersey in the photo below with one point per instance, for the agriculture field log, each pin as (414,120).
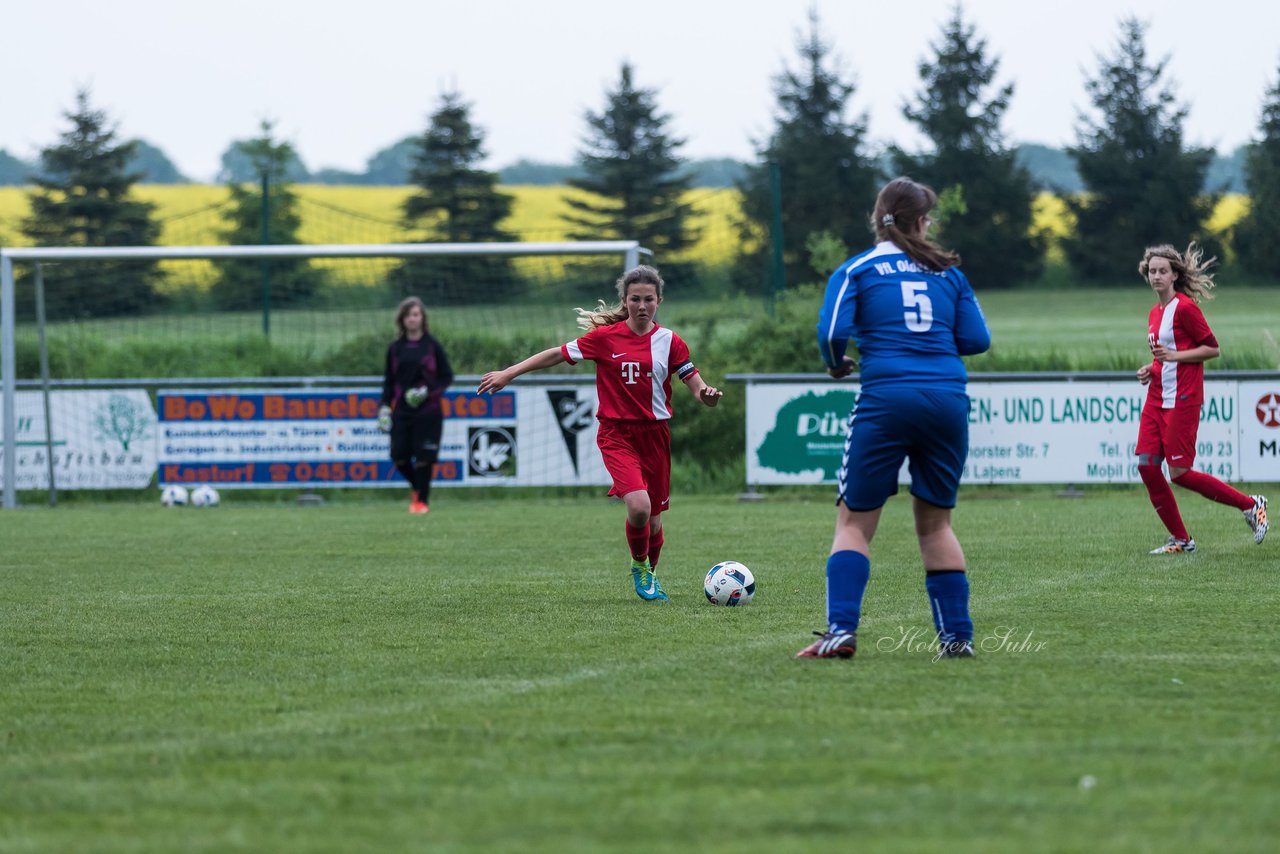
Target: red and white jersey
(1180,325)
(633,372)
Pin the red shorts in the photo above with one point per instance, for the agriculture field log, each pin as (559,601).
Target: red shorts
(637,455)
(1169,433)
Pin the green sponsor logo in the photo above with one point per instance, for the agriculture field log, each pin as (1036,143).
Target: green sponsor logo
(808,434)
(122,419)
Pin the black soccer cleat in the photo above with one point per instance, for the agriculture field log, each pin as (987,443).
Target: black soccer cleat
(956,649)
(831,645)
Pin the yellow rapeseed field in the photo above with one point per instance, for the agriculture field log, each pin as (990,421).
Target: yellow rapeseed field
(190,215)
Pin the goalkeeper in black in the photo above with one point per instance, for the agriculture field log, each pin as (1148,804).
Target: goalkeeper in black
(416,376)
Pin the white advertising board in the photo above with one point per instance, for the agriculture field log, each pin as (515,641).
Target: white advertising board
(100,440)
(1045,432)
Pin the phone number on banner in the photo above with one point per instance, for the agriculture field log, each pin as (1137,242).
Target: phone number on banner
(229,475)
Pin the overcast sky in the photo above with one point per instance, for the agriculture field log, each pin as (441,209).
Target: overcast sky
(343,79)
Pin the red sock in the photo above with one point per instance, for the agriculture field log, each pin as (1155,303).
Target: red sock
(638,540)
(655,547)
(1162,499)
(1213,489)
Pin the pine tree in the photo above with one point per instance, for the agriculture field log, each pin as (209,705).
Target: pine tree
(828,181)
(238,165)
(1143,186)
(970,158)
(1257,235)
(83,198)
(456,202)
(637,180)
(291,281)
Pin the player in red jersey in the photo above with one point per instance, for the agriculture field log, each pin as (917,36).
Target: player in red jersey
(635,361)
(1181,342)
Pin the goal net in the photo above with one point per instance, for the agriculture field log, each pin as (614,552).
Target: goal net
(112,329)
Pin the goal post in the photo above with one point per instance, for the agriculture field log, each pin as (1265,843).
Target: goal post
(630,252)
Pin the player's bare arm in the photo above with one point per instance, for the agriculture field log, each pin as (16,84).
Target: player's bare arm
(1203,353)
(498,380)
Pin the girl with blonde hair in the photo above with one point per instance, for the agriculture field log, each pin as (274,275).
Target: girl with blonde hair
(635,361)
(1181,342)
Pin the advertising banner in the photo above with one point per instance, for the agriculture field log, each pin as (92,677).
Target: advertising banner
(536,436)
(1044,432)
(101,440)
(1260,430)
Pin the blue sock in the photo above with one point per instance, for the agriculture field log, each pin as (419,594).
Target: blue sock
(847,576)
(949,601)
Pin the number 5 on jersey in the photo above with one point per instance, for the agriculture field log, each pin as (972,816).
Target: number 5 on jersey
(919,308)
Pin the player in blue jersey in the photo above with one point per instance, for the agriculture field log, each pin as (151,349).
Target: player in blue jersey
(912,315)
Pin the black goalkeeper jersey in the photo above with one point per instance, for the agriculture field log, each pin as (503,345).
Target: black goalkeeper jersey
(411,364)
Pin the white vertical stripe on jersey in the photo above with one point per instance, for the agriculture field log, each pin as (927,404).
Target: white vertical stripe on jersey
(883,248)
(1168,370)
(660,350)
(835,316)
(575,352)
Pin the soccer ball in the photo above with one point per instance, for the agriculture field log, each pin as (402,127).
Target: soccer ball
(729,583)
(204,495)
(174,496)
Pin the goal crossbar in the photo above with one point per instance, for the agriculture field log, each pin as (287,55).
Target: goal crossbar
(631,250)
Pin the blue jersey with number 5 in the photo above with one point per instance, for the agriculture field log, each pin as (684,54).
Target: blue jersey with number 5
(911,325)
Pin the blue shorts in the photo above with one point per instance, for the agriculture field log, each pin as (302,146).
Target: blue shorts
(929,428)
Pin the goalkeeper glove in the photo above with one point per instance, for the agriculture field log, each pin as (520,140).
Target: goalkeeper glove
(415,396)
(384,419)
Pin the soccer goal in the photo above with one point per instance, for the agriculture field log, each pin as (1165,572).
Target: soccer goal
(75,307)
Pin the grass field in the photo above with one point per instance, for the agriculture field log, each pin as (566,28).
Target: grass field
(264,677)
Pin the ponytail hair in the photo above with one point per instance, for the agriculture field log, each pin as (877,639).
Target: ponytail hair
(604,315)
(899,207)
(1193,276)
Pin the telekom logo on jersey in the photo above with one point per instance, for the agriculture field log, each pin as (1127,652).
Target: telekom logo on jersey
(630,371)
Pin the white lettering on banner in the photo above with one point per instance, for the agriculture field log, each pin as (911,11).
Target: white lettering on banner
(1044,432)
(825,424)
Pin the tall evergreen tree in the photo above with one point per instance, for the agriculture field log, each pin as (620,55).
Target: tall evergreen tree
(828,180)
(993,230)
(290,280)
(1257,235)
(83,198)
(1143,185)
(456,202)
(239,166)
(633,170)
